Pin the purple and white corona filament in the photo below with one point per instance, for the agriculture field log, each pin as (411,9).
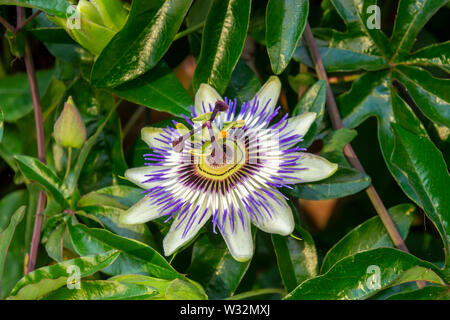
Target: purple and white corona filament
(227,168)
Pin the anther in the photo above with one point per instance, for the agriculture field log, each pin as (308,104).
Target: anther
(178,143)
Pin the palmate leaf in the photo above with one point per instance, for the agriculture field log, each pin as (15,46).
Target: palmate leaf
(369,49)
(429,93)
(412,15)
(434,55)
(422,162)
(372,95)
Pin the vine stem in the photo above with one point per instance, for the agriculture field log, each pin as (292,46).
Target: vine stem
(22,25)
(254,293)
(187,31)
(349,153)
(40,138)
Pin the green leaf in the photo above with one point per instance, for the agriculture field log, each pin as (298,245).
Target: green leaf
(429,93)
(213,266)
(35,170)
(109,216)
(54,7)
(412,15)
(312,101)
(244,83)
(183,290)
(344,182)
(301,79)
(222,43)
(2,124)
(42,281)
(135,257)
(54,243)
(6,235)
(51,34)
(296,258)
(427,293)
(372,95)
(360,37)
(121,197)
(434,55)
(15,256)
(176,289)
(159,90)
(141,43)
(103,290)
(334,143)
(339,59)
(285,21)
(352,277)
(369,235)
(428,175)
(15,94)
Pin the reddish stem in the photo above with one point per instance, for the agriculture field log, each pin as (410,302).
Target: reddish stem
(40,138)
(349,153)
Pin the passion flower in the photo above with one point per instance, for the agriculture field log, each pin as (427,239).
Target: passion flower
(227,168)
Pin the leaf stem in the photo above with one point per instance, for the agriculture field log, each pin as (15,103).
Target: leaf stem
(21,26)
(133,120)
(7,25)
(187,31)
(40,137)
(349,153)
(69,159)
(258,292)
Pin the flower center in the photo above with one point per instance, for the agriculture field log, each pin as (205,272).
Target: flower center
(234,157)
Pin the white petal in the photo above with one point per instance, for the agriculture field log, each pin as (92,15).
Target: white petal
(141,212)
(174,238)
(317,168)
(281,222)
(270,90)
(239,242)
(149,135)
(205,95)
(300,125)
(138,175)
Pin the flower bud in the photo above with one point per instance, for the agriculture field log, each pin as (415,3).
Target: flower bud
(69,130)
(99,21)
